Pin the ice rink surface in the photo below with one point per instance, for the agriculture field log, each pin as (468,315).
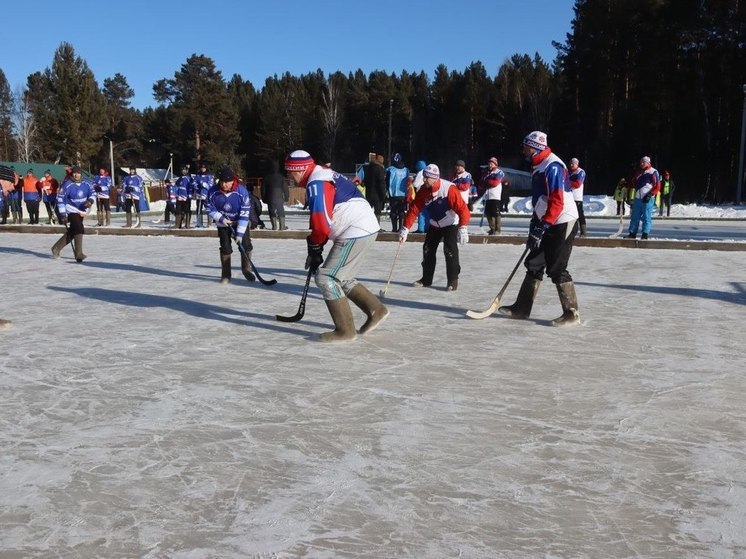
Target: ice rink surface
(149,411)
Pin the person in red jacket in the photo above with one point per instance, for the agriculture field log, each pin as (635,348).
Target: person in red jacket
(449,220)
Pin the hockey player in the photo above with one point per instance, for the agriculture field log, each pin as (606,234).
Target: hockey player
(647,185)
(132,185)
(493,191)
(183,188)
(49,187)
(229,206)
(449,220)
(102,186)
(73,204)
(340,214)
(577,183)
(551,233)
(202,182)
(462,179)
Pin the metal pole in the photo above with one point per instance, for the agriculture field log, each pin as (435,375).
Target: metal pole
(111,160)
(739,186)
(391,108)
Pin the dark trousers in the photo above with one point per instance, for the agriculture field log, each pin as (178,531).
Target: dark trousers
(666,201)
(184,207)
(449,236)
(377,206)
(620,208)
(398,207)
(169,210)
(75,225)
(226,241)
(581,215)
(129,204)
(32,207)
(553,253)
(492,208)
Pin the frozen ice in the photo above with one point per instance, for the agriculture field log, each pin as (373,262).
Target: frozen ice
(149,411)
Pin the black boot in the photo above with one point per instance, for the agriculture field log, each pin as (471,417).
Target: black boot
(370,305)
(525,300)
(569,302)
(225,265)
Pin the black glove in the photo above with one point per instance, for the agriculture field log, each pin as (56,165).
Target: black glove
(88,203)
(128,189)
(646,198)
(314,258)
(97,188)
(535,233)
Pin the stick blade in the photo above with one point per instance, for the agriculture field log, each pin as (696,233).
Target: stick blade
(479,315)
(294,318)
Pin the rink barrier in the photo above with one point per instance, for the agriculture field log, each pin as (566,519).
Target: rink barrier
(601,242)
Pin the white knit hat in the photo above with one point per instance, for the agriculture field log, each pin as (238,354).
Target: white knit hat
(645,160)
(431,171)
(536,140)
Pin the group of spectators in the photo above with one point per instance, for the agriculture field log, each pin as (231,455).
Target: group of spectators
(397,186)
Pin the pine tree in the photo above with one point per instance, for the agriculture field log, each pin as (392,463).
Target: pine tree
(68,108)
(7,147)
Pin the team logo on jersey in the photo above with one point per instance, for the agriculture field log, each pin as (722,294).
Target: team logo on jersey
(227,207)
(80,193)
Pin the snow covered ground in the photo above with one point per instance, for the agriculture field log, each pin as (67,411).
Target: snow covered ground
(149,411)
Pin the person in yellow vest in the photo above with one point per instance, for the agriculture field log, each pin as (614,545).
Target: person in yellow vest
(620,195)
(667,188)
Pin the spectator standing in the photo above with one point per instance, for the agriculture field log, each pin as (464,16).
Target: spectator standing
(132,185)
(620,195)
(506,196)
(202,182)
(419,179)
(577,183)
(352,228)
(229,205)
(551,233)
(667,188)
(275,194)
(374,179)
(492,184)
(397,179)
(462,179)
(73,204)
(647,186)
(255,219)
(449,218)
(49,187)
(31,196)
(102,185)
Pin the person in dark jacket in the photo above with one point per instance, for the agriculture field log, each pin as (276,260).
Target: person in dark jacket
(275,194)
(374,179)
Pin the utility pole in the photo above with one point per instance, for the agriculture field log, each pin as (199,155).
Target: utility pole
(739,184)
(391,109)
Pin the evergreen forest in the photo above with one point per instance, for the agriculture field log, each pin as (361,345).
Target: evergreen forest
(664,78)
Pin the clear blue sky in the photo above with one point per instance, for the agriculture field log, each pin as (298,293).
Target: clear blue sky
(147,41)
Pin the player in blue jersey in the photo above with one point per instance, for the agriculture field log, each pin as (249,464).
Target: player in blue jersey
(102,185)
(202,182)
(183,189)
(132,185)
(228,204)
(397,180)
(72,204)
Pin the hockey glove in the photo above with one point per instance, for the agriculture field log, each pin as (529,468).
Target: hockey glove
(646,198)
(403,232)
(88,203)
(314,258)
(463,235)
(535,233)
